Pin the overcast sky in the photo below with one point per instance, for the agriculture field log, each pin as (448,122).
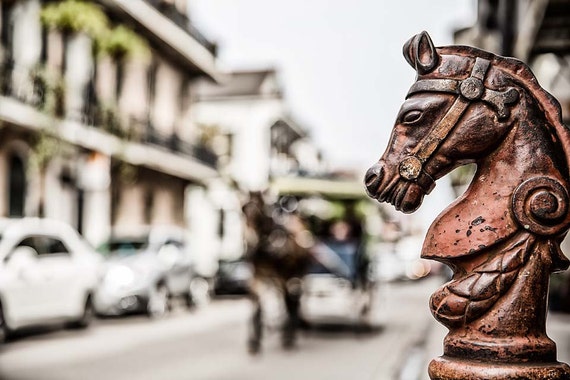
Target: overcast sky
(340,61)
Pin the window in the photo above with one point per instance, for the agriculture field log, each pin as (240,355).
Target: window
(119,78)
(184,96)
(175,243)
(16,186)
(43,54)
(7,28)
(148,204)
(6,46)
(221,222)
(44,245)
(151,82)
(53,246)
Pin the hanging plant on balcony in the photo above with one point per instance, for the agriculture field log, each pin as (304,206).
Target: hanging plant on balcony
(45,148)
(68,16)
(50,89)
(74,16)
(121,42)
(111,121)
(207,134)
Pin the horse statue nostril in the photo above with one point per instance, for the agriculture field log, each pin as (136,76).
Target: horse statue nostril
(372,179)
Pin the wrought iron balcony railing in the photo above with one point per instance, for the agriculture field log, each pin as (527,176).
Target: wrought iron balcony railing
(142,131)
(30,87)
(39,91)
(169,10)
(175,144)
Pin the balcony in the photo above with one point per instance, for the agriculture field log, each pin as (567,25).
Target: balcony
(30,88)
(142,131)
(170,32)
(35,90)
(169,10)
(173,143)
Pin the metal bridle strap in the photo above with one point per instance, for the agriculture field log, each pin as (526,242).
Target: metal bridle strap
(470,89)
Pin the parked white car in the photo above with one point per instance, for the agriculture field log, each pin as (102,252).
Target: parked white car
(48,274)
(145,269)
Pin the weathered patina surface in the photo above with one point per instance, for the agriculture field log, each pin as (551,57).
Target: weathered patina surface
(502,236)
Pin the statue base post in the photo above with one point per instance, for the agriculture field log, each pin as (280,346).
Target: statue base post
(449,368)
(509,342)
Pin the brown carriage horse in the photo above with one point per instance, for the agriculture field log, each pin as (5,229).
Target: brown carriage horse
(278,250)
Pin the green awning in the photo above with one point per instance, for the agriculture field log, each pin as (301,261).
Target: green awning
(329,188)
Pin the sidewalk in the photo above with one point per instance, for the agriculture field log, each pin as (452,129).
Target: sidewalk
(558,329)
(434,345)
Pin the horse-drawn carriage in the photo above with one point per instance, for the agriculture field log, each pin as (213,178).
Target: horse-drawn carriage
(338,286)
(307,242)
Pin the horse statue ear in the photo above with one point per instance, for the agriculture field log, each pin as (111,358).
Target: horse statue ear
(420,53)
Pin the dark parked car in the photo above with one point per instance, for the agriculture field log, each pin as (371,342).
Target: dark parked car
(233,277)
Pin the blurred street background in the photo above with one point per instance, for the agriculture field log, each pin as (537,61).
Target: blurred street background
(133,136)
(210,344)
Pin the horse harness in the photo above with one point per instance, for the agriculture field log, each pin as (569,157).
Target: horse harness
(467,90)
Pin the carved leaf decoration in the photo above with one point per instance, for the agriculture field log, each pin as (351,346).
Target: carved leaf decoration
(485,287)
(506,280)
(465,299)
(513,256)
(463,287)
(478,308)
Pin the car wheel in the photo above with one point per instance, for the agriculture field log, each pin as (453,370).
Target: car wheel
(158,302)
(4,330)
(86,317)
(199,293)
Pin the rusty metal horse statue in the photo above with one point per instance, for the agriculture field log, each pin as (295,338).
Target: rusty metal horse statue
(502,236)
(278,248)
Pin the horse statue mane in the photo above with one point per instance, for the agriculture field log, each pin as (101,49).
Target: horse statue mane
(502,236)
(523,77)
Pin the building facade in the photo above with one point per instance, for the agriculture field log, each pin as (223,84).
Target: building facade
(249,127)
(259,140)
(95,113)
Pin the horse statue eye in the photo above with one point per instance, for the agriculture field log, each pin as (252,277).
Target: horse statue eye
(411,116)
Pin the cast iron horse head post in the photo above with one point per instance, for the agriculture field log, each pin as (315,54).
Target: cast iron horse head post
(502,236)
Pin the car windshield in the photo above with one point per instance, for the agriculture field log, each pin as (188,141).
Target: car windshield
(124,246)
(337,258)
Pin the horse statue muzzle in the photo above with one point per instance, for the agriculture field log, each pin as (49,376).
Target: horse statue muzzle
(502,236)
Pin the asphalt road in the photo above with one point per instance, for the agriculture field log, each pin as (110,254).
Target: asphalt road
(209,343)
